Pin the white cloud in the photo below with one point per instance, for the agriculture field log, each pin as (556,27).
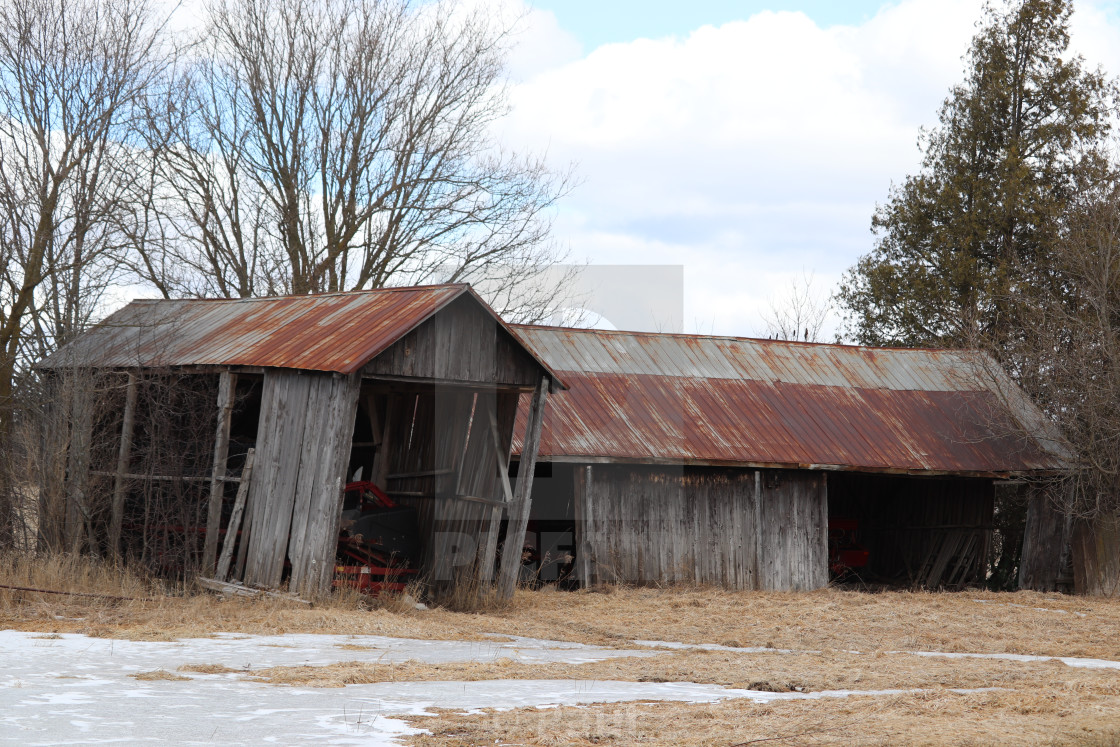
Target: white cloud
(752,150)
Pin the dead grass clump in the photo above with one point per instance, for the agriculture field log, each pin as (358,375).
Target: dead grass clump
(940,718)
(90,579)
(209,669)
(765,672)
(158,674)
(364,673)
(829,619)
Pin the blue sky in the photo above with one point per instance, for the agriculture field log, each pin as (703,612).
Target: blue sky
(597,22)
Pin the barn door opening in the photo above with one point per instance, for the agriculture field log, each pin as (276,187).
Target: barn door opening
(909,532)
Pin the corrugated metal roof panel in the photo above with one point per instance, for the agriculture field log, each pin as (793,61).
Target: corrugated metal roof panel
(694,399)
(338,332)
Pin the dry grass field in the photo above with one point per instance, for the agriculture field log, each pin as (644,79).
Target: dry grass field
(832,640)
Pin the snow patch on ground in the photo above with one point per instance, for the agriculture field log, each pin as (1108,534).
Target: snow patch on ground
(72,689)
(1070,661)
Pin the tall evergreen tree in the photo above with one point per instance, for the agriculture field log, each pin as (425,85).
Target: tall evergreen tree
(975,230)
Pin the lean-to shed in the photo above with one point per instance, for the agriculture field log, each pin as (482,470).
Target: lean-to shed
(414,388)
(722,460)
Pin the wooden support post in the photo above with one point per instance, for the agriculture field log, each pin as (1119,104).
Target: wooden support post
(243,546)
(583,525)
(226,384)
(758,549)
(117,509)
(522,499)
(235,517)
(490,539)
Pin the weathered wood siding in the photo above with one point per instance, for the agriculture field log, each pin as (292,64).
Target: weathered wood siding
(303,443)
(1045,535)
(736,528)
(462,343)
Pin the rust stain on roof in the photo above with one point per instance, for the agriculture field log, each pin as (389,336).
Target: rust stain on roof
(332,332)
(715,400)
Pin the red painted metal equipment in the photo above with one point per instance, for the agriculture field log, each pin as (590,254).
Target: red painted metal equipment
(845,554)
(378,543)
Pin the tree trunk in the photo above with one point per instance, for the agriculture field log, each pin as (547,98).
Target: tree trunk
(1096,556)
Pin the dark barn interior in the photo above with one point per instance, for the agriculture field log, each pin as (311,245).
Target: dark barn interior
(928,532)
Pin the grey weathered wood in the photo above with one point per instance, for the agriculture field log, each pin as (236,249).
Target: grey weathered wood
(316,446)
(489,545)
(243,545)
(162,478)
(279,447)
(756,525)
(522,499)
(314,540)
(651,524)
(226,384)
(235,517)
(224,587)
(1045,535)
(421,473)
(582,521)
(116,512)
(461,343)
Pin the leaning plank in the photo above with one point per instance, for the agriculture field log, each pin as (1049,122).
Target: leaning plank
(316,448)
(326,504)
(268,464)
(522,499)
(235,518)
(291,433)
(226,384)
(243,545)
(224,587)
(494,520)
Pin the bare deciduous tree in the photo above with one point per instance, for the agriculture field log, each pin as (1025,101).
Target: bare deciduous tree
(73,77)
(326,145)
(800,314)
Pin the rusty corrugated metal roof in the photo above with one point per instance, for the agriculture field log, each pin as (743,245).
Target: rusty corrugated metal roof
(338,332)
(689,399)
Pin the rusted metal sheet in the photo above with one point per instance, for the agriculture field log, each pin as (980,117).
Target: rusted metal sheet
(688,399)
(338,332)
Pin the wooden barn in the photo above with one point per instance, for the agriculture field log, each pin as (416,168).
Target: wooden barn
(733,461)
(412,389)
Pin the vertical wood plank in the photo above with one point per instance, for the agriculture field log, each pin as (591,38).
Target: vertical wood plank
(588,548)
(759,550)
(321,532)
(315,440)
(267,465)
(222,572)
(124,454)
(519,514)
(226,384)
(489,545)
(243,545)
